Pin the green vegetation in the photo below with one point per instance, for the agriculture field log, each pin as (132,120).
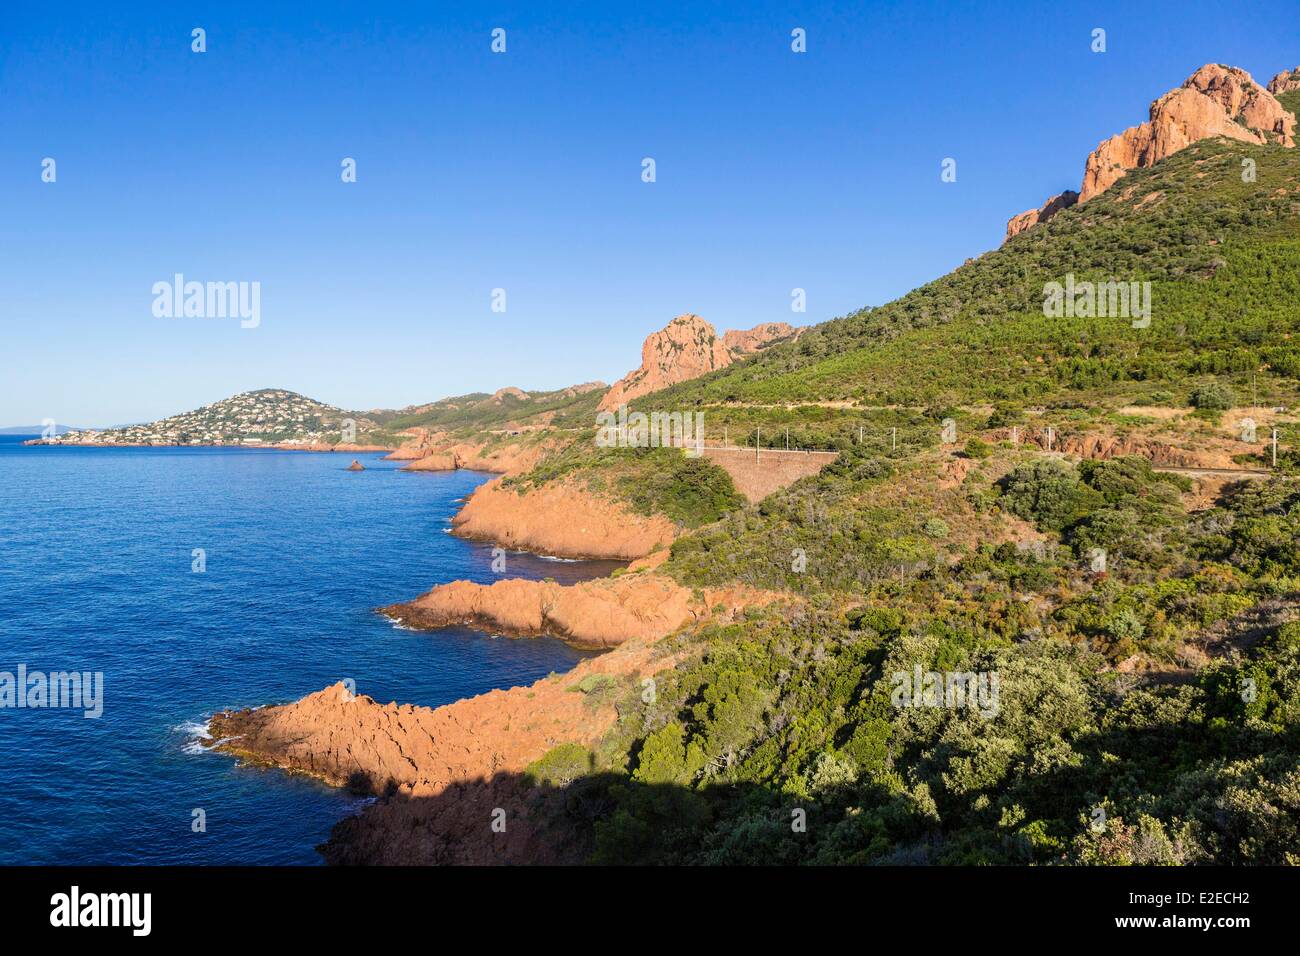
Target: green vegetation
(471,414)
(1223,258)
(793,715)
(559,767)
(1290,101)
(1214,397)
(778,717)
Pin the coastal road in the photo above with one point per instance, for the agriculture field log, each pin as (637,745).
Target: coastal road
(1243,473)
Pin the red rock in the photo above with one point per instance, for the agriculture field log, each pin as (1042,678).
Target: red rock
(745,341)
(687,348)
(443,775)
(1285,82)
(1214,101)
(436,451)
(593,614)
(561,519)
(1032,217)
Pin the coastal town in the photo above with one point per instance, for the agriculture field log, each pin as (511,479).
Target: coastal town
(266,416)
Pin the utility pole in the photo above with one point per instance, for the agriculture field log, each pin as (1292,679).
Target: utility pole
(758,435)
(725,441)
(893,439)
(1274,447)
(859,434)
(1015,435)
(787,439)
(1051,435)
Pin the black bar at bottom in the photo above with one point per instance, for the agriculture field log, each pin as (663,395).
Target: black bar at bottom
(302,905)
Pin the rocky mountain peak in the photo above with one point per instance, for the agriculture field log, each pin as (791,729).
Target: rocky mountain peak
(1216,100)
(687,348)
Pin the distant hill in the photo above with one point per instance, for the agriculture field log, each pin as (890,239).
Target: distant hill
(574,405)
(265,416)
(37,429)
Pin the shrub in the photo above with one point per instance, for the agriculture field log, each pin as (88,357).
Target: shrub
(1213,397)
(560,766)
(936,528)
(1046,492)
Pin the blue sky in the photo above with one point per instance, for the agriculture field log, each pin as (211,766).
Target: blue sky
(522,171)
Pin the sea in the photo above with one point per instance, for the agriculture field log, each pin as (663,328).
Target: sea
(193,580)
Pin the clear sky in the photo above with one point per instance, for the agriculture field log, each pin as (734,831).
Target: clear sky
(522,171)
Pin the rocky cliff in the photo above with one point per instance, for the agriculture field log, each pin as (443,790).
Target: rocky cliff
(687,348)
(411,756)
(437,451)
(593,614)
(561,519)
(1288,81)
(746,341)
(443,774)
(1214,101)
(1032,217)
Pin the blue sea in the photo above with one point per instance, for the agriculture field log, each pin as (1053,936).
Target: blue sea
(97,574)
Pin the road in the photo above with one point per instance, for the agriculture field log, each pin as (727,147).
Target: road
(1214,472)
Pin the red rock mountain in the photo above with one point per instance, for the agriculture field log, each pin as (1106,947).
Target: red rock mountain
(1288,81)
(745,341)
(1216,100)
(687,348)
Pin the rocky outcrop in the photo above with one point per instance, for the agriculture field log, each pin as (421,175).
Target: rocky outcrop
(430,765)
(687,348)
(1288,81)
(437,451)
(420,442)
(503,459)
(1215,101)
(593,614)
(444,775)
(746,341)
(1032,217)
(356,466)
(561,519)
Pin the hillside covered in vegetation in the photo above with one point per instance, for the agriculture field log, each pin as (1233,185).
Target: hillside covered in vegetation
(1222,257)
(1142,628)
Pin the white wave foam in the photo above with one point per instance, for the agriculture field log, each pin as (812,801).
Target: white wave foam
(192,728)
(199,734)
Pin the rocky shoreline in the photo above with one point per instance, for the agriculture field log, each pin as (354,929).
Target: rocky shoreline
(439,773)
